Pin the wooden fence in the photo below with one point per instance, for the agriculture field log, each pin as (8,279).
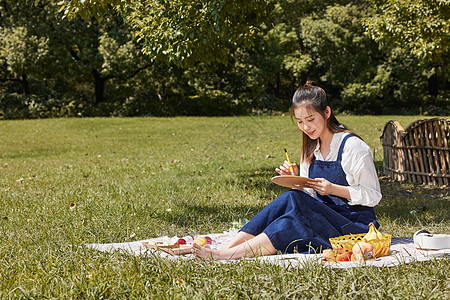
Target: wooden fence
(420,153)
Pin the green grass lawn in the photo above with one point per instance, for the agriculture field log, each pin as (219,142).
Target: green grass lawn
(68,182)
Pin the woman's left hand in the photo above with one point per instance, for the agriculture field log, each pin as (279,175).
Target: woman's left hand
(322,187)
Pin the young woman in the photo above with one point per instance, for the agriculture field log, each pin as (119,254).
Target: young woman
(340,203)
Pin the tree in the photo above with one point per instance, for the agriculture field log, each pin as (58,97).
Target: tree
(183,32)
(22,53)
(422,26)
(22,50)
(55,62)
(339,54)
(86,67)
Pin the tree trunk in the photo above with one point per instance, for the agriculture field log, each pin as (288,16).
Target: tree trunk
(99,82)
(277,85)
(25,84)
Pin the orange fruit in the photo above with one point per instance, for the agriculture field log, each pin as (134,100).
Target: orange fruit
(201,241)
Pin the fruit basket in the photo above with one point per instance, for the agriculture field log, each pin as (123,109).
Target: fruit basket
(381,244)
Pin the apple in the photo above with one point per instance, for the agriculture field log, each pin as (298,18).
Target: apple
(331,254)
(363,250)
(346,256)
(181,242)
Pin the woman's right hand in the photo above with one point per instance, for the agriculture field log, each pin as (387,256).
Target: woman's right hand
(285,169)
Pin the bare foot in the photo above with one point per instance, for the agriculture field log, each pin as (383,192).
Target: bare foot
(204,253)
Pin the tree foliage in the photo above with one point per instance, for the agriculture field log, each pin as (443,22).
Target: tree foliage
(183,32)
(51,57)
(422,26)
(50,66)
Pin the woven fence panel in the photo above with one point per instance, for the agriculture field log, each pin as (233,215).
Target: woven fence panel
(393,154)
(420,153)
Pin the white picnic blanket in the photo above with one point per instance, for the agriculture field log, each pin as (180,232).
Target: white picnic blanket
(403,251)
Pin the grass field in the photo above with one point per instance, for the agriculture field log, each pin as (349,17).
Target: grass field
(68,182)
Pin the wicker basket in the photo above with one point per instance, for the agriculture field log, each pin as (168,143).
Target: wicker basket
(381,246)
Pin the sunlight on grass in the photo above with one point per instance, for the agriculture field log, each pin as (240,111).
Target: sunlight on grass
(68,182)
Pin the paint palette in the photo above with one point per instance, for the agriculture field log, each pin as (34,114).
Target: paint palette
(292,181)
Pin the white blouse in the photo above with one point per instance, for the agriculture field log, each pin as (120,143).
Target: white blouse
(357,163)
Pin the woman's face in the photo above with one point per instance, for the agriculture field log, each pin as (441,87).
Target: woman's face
(311,122)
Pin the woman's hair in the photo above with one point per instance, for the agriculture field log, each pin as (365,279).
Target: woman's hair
(314,97)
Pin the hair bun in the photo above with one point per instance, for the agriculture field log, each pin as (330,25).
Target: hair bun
(310,83)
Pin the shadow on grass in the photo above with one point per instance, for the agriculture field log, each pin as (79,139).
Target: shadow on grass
(258,185)
(400,201)
(193,215)
(260,180)
(379,166)
(403,201)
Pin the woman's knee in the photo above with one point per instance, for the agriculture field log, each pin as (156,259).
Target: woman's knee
(295,196)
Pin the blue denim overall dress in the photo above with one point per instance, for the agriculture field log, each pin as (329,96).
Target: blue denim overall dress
(297,222)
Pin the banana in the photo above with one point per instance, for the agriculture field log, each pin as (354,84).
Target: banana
(373,233)
(379,234)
